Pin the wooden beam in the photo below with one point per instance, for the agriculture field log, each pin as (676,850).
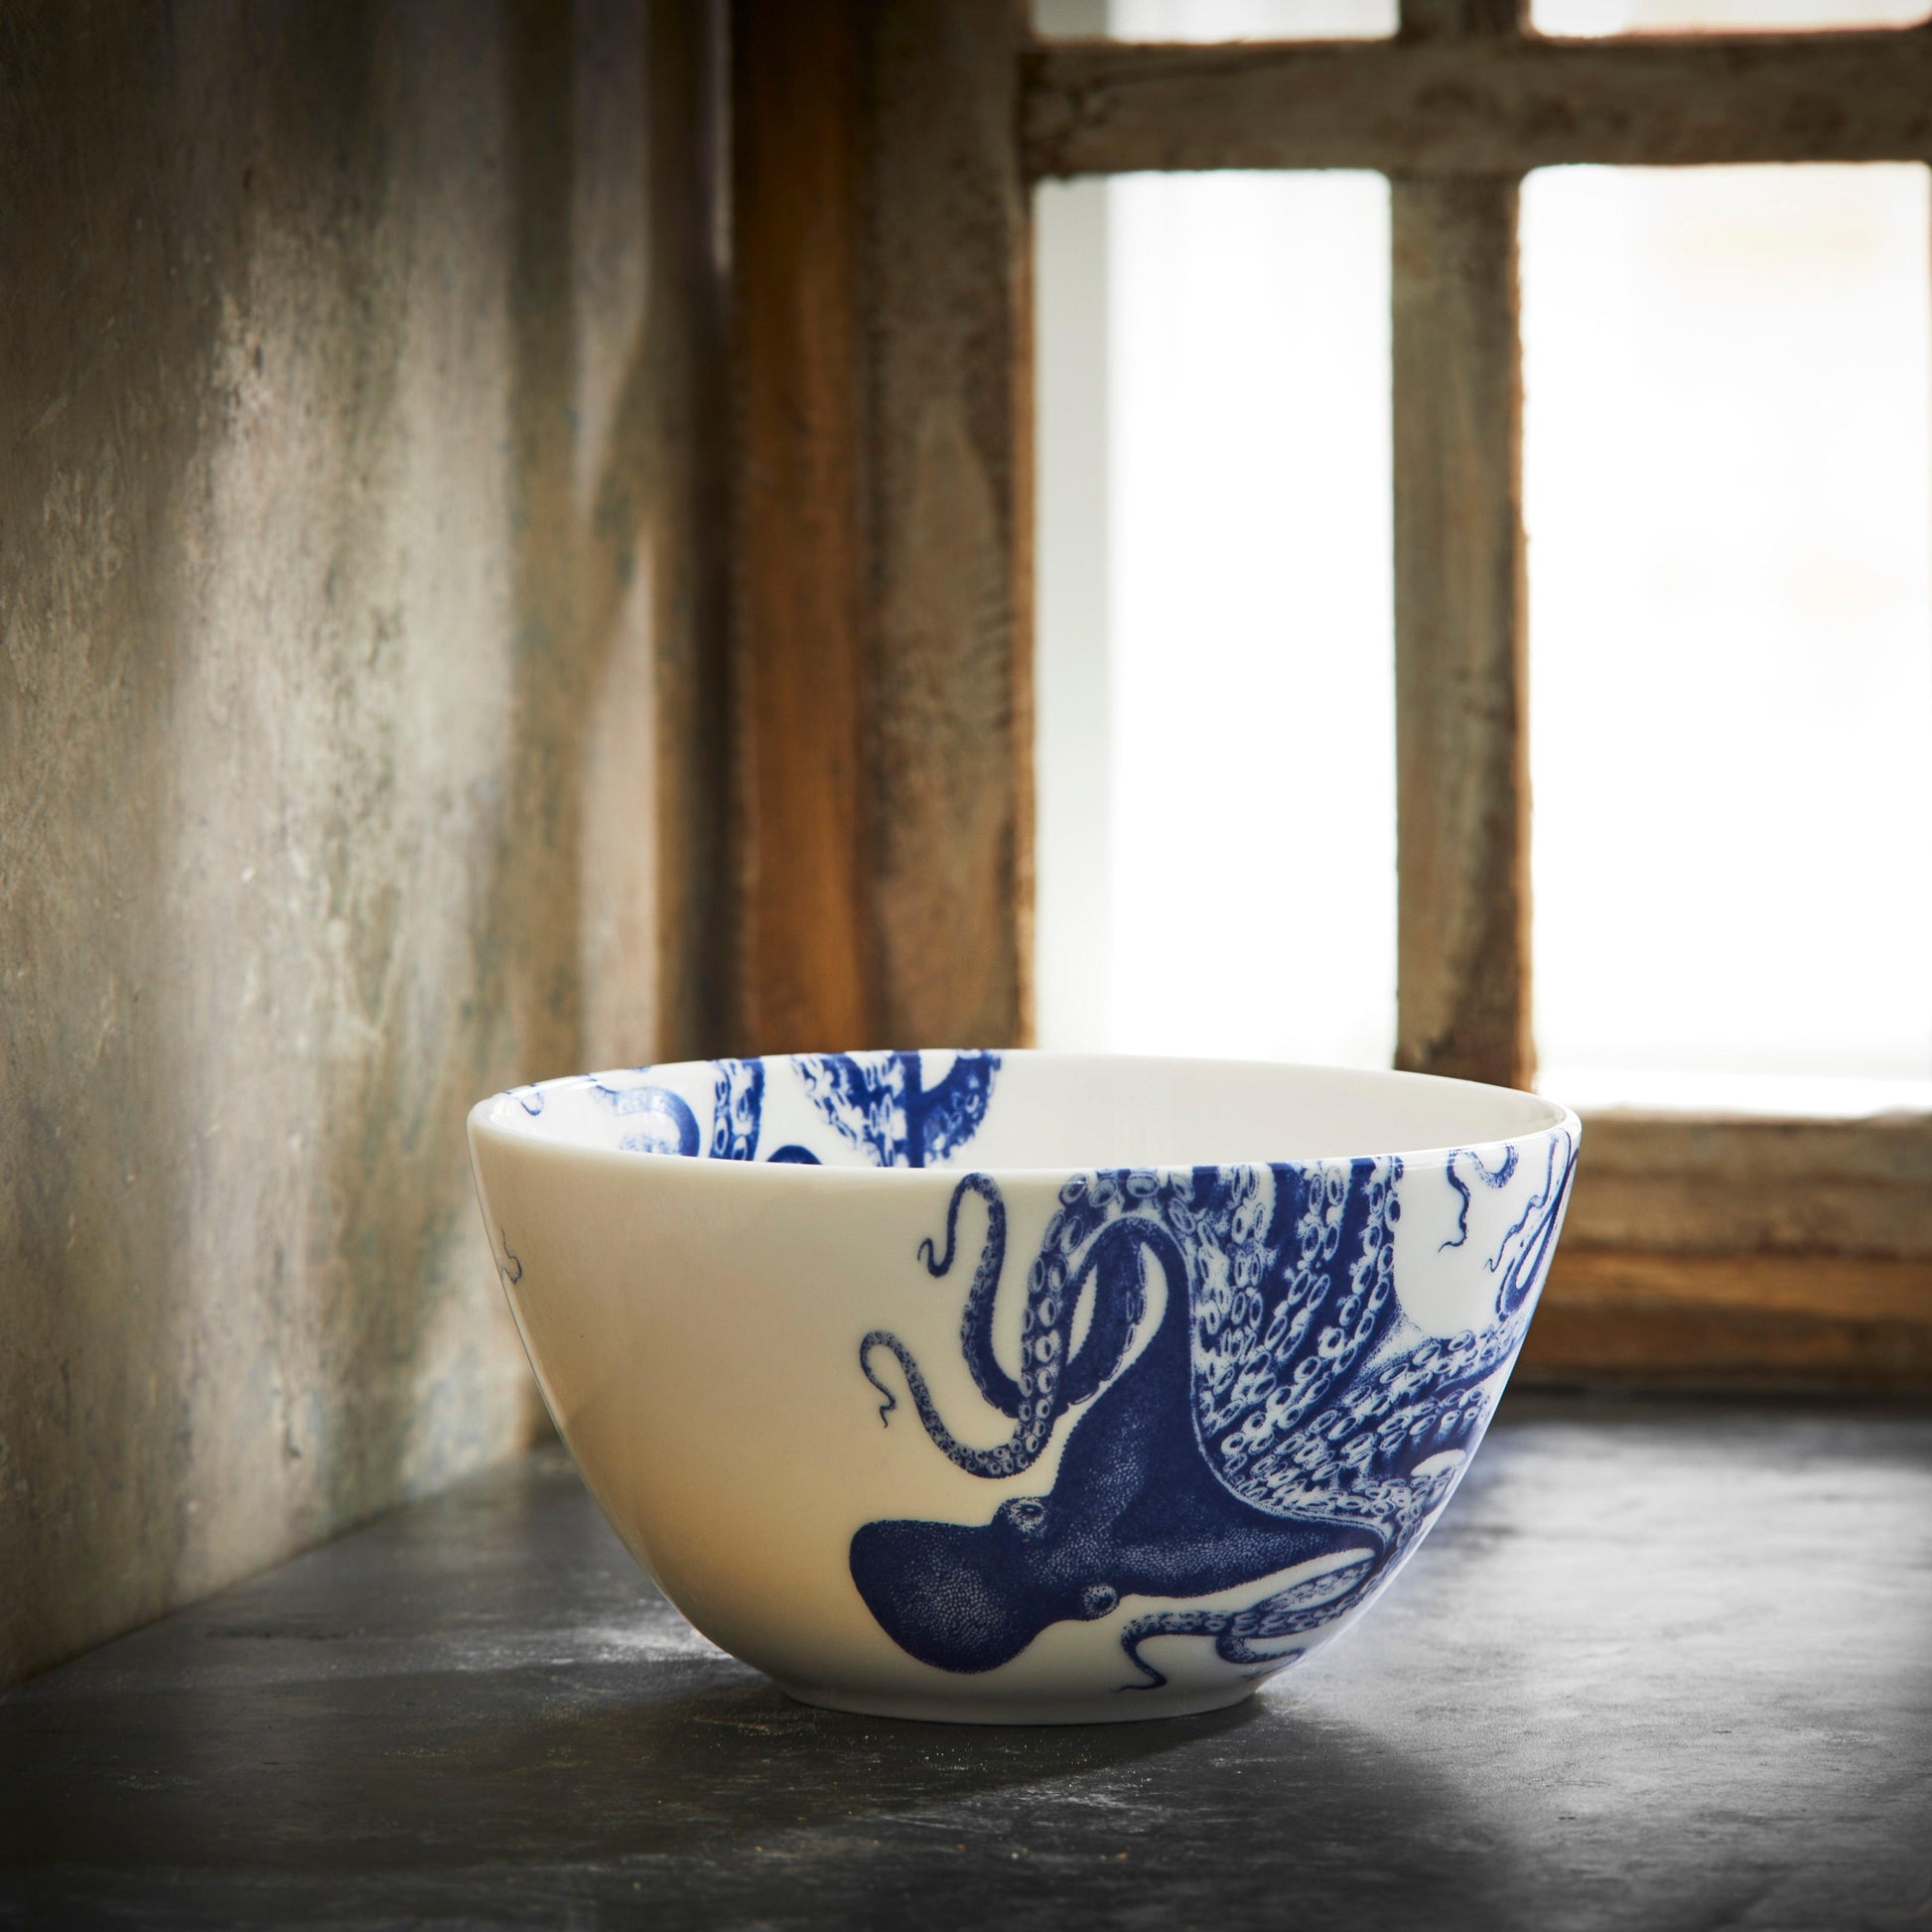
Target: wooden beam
(1821,1323)
(1744,1254)
(800,687)
(1463,973)
(883,723)
(1430,102)
(1740,1186)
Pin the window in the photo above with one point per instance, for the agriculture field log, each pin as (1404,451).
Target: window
(1728,499)
(1728,483)
(886,563)
(1728,377)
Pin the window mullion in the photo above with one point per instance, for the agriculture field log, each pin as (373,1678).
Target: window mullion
(1461,757)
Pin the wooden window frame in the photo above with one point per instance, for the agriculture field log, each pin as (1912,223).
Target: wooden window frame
(884,157)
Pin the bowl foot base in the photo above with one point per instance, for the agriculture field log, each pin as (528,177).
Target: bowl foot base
(1108,1708)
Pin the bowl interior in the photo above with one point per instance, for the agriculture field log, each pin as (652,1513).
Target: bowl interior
(1014,1111)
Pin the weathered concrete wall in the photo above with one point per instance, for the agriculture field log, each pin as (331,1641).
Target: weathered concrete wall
(357,549)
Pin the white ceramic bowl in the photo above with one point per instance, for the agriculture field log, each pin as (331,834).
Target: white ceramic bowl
(1020,1387)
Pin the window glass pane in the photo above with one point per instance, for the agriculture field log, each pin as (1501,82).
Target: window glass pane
(1728,493)
(1073,859)
(1218,20)
(1592,16)
(1216,778)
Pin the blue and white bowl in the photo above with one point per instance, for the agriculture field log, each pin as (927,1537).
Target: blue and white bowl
(1020,1387)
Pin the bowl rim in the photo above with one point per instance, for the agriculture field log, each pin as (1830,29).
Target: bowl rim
(484,1119)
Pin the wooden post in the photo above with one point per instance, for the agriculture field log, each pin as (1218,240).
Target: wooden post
(1463,971)
(951,369)
(1464,20)
(1462,974)
(798,697)
(884,463)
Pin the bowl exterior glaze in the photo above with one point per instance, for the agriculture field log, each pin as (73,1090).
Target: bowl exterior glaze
(922,1440)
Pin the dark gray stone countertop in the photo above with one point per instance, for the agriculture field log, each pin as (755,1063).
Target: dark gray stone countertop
(1660,1667)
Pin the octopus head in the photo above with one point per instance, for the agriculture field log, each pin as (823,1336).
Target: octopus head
(968,1596)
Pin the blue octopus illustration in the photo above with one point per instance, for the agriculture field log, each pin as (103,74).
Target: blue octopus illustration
(880,1102)
(1283,1411)
(876,1103)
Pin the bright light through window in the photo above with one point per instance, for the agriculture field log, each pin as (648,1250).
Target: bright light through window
(1729,486)
(1218,20)
(1728,493)
(1600,17)
(1216,813)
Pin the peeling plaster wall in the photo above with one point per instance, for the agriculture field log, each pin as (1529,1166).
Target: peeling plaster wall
(358,586)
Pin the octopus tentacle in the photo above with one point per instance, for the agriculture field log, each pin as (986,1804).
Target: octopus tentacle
(914,1381)
(974,1184)
(1007,1459)
(1053,1374)
(1331,1311)
(976,1324)
(1531,1256)
(1496,1176)
(1168,1623)
(1358,1462)
(1117,1306)
(1431,1398)
(1289,1612)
